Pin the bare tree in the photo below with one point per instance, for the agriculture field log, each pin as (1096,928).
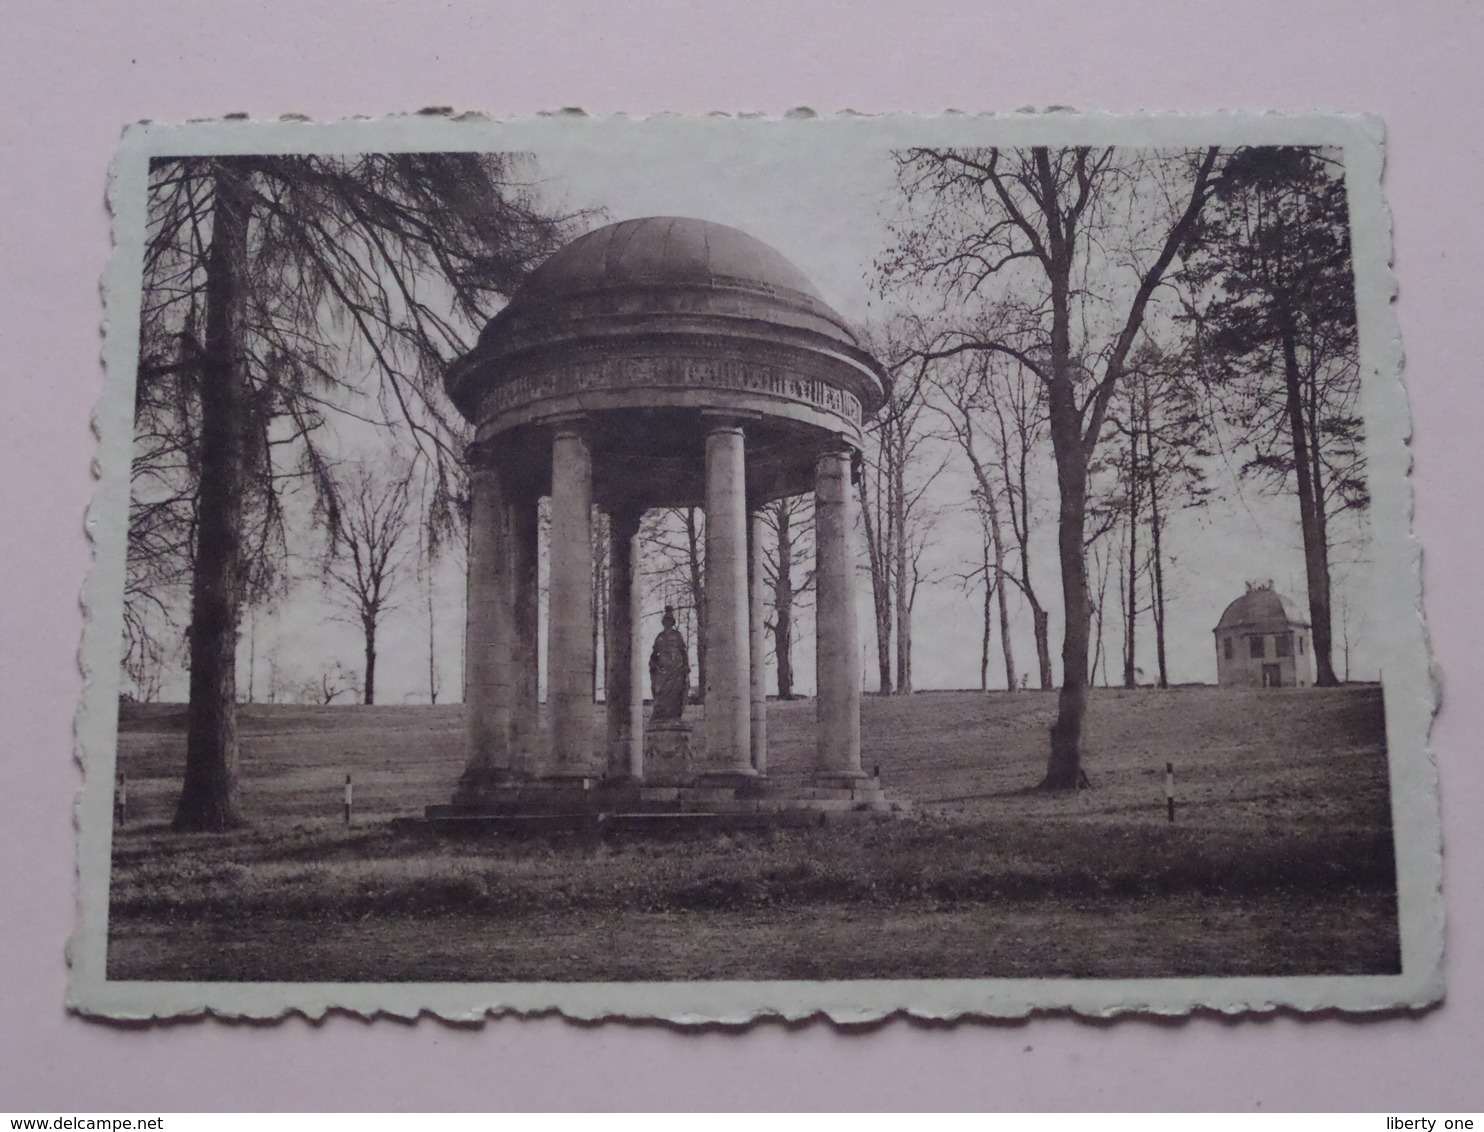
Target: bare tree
(1160,439)
(994,413)
(1130,569)
(989,576)
(288,684)
(790,522)
(332,683)
(368,554)
(1131,591)
(914,536)
(1102,561)
(876,517)
(433,549)
(1057,254)
(959,387)
(1017,405)
(899,469)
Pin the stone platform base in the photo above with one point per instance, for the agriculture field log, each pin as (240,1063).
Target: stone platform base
(546,807)
(668,759)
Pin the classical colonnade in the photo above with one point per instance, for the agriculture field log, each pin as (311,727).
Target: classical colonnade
(503,624)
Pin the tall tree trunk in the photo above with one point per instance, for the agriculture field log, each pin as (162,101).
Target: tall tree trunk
(1064,766)
(988,618)
(252,653)
(1157,550)
(880,590)
(783,649)
(899,575)
(984,639)
(994,537)
(370,626)
(1321,520)
(1040,619)
(1041,622)
(209,795)
(1123,592)
(1316,548)
(1006,646)
(697,582)
(1131,627)
(783,601)
(1098,654)
(1064,420)
(432,645)
(1345,632)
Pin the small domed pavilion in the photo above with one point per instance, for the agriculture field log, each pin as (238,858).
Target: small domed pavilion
(658,362)
(1263,642)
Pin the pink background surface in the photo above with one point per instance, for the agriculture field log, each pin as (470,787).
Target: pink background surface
(71,74)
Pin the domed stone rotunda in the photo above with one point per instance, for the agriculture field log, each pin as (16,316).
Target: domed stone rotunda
(660,362)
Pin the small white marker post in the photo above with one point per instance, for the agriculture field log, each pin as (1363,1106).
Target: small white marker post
(1169,790)
(348,795)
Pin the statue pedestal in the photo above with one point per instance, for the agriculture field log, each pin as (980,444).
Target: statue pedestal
(667,754)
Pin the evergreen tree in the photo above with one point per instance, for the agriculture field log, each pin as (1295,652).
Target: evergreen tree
(267,279)
(1275,335)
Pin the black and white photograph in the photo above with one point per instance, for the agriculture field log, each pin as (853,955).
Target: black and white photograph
(713,568)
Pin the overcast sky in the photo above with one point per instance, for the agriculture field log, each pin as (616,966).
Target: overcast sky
(826,209)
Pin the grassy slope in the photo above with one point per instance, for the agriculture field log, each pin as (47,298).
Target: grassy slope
(1280,861)
(1241,756)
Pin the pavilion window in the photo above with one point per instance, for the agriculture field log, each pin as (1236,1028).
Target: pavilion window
(1258,644)
(1301,644)
(1283,644)
(1228,643)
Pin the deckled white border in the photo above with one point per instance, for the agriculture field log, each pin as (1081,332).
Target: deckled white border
(1410,684)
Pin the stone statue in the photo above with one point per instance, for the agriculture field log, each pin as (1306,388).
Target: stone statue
(669,671)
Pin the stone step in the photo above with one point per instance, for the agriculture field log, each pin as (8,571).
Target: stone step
(821,805)
(806,814)
(706,795)
(569,801)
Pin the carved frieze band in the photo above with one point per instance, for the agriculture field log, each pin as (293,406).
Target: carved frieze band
(669,371)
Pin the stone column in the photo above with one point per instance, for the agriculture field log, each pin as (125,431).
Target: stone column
(569,680)
(759,643)
(488,636)
(624,680)
(837,648)
(728,670)
(525,679)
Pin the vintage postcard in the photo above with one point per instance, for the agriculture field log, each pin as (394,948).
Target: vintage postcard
(718,569)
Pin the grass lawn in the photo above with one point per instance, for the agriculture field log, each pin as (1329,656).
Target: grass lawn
(1280,861)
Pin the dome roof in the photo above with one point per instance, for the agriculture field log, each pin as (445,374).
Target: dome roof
(668,312)
(664,265)
(1261,607)
(668,250)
